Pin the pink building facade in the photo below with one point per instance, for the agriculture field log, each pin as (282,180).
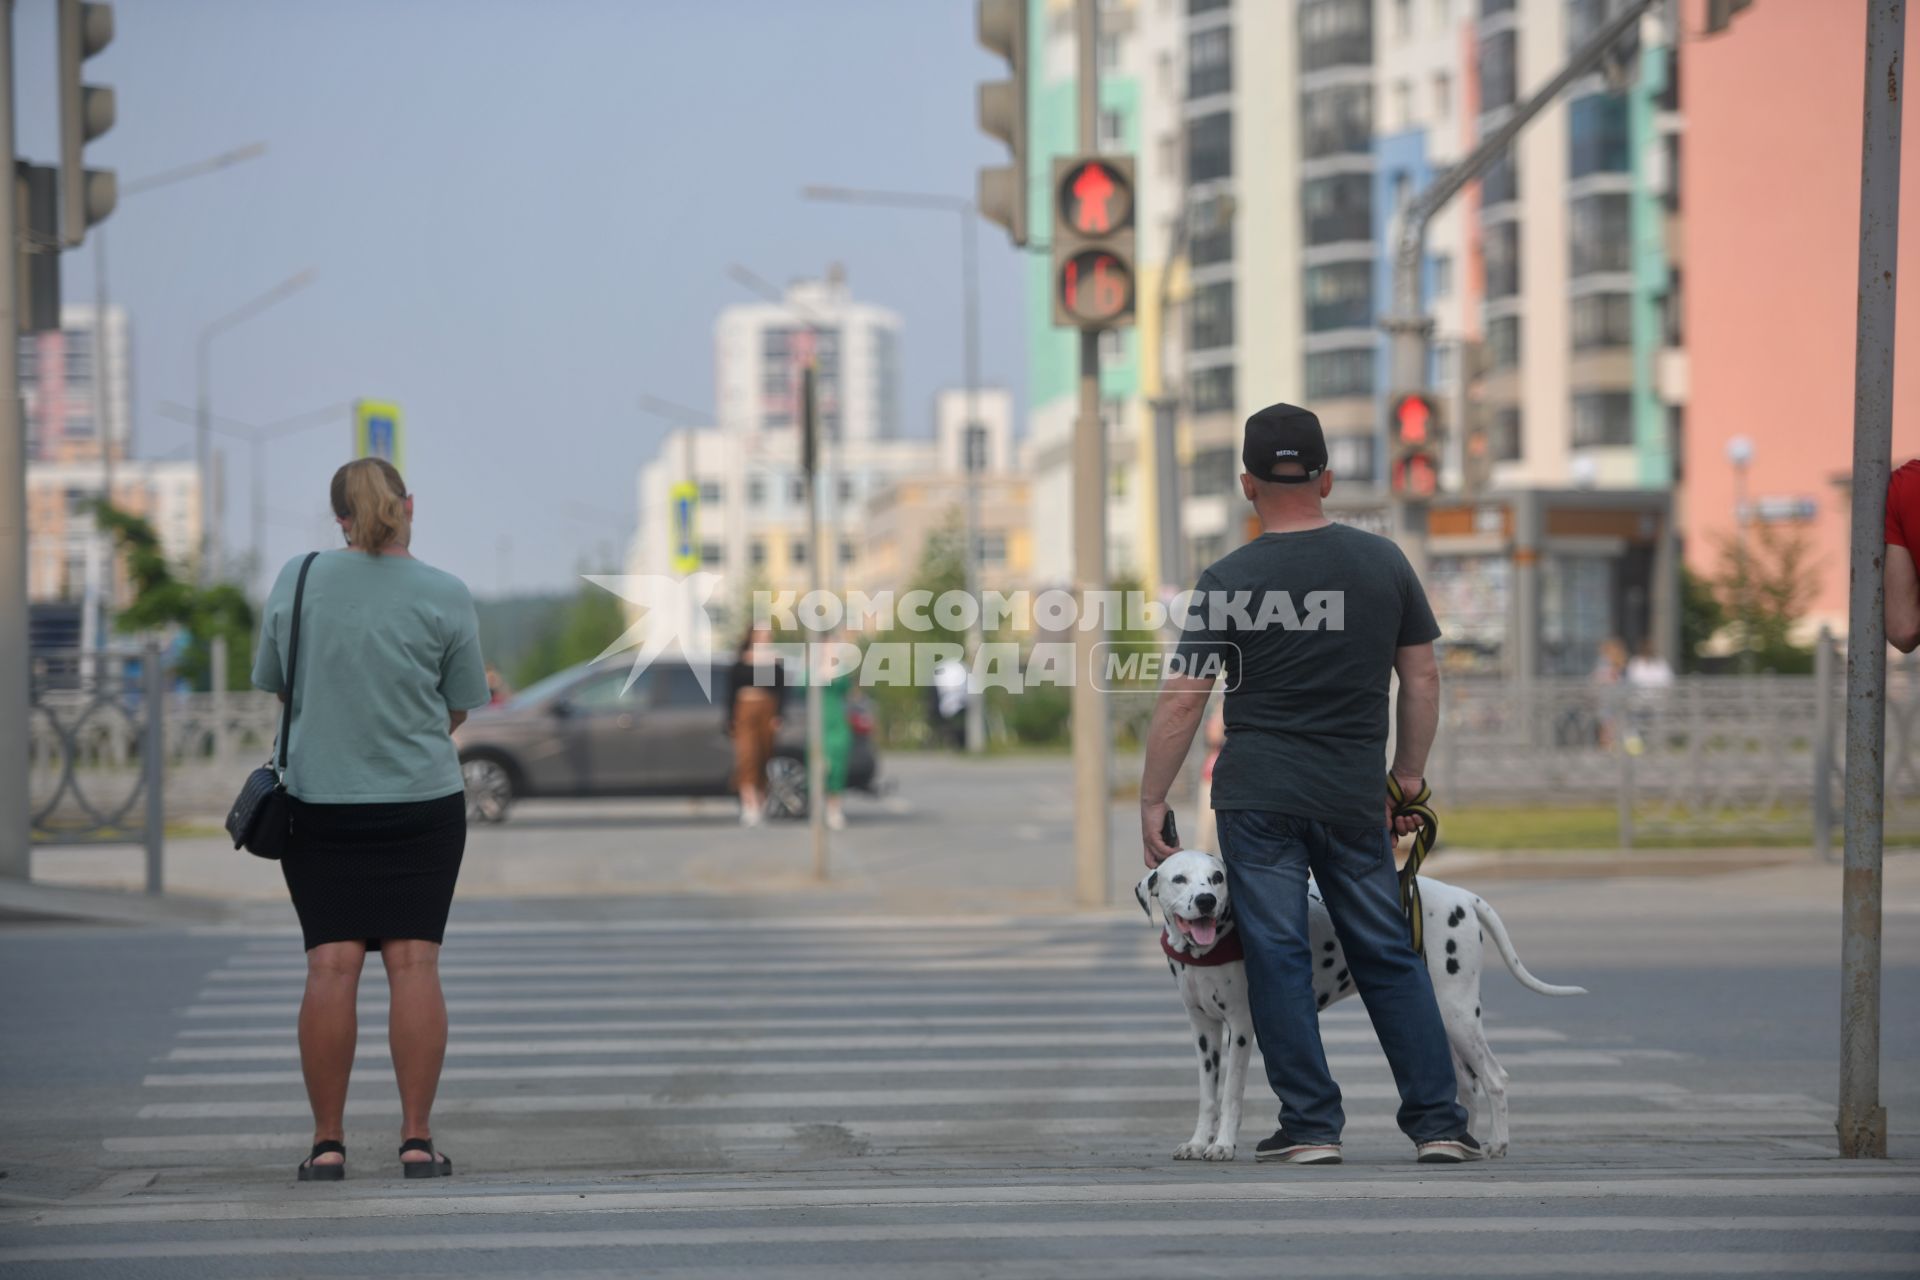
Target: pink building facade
(1770,176)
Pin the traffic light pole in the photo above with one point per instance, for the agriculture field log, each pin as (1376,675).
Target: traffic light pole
(1091,787)
(1862,1122)
(16,824)
(1409,328)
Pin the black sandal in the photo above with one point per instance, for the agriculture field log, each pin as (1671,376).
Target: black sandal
(436,1166)
(311,1172)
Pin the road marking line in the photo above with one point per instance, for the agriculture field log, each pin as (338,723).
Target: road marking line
(1171,1061)
(684,1099)
(799,1234)
(545,1048)
(1022,927)
(1149,998)
(1165,1018)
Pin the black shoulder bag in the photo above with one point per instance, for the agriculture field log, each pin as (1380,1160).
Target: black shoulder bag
(261,817)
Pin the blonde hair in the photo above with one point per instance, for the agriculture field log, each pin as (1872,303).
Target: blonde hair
(370,496)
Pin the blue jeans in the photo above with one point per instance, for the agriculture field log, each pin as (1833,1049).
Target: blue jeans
(1268,856)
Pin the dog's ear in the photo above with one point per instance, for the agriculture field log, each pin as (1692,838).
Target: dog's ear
(1144,891)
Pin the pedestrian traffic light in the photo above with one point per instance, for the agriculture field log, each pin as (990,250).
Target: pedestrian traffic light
(1002,189)
(86,111)
(1093,241)
(1414,470)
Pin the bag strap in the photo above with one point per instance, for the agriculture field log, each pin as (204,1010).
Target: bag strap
(293,659)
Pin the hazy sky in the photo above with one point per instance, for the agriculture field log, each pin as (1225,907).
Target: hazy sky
(520,213)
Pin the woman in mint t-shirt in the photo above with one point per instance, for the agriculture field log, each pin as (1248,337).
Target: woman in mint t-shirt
(389,665)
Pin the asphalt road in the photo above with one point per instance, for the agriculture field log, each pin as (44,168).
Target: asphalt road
(929,1066)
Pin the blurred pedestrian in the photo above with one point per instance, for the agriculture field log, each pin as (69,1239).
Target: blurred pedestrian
(1609,671)
(948,700)
(1903,548)
(498,690)
(756,698)
(1312,620)
(1647,669)
(388,666)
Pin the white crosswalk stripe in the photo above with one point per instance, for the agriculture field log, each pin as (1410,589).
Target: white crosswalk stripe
(786,1066)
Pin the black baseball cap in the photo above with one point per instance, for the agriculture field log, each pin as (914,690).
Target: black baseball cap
(1284,433)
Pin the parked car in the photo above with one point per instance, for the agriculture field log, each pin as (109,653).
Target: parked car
(582,732)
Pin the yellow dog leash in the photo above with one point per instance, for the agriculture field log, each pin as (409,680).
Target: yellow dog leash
(1424,835)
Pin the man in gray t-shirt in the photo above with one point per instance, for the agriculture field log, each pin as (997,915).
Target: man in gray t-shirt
(1309,622)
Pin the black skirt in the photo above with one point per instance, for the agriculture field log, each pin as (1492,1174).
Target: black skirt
(363,872)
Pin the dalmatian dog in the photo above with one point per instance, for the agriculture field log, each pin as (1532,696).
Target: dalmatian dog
(1203,951)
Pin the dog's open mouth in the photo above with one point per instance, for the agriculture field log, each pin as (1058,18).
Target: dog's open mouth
(1202,931)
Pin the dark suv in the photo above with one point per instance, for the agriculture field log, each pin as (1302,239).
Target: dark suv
(581,732)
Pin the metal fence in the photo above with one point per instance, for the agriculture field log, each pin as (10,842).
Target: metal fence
(1738,756)
(95,753)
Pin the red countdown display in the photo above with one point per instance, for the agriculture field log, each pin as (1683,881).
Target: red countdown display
(1096,286)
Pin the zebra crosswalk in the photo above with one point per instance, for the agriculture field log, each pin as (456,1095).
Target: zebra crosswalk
(862,1096)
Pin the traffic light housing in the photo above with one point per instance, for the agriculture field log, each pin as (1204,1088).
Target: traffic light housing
(36,256)
(1093,233)
(1001,194)
(87,195)
(1414,469)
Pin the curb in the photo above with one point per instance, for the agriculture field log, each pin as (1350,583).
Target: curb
(23,902)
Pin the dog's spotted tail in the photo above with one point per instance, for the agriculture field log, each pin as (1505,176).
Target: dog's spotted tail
(1490,921)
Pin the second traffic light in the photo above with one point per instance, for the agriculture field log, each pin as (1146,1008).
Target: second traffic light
(87,195)
(1093,225)
(1414,469)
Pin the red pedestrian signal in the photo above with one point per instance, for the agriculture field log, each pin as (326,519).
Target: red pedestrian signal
(1093,282)
(1412,416)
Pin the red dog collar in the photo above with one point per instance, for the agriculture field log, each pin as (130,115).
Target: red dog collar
(1225,951)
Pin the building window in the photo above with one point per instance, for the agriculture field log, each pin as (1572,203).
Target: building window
(1601,234)
(1499,73)
(1403,18)
(1403,103)
(1207,6)
(1210,147)
(886,383)
(1602,418)
(990,549)
(1211,390)
(1351,458)
(1112,131)
(1337,120)
(1210,62)
(1339,296)
(1113,345)
(1212,472)
(1503,437)
(757,554)
(797,551)
(1332,374)
(845,490)
(756,492)
(711,555)
(709,493)
(797,491)
(846,553)
(1442,275)
(1107,52)
(1503,342)
(1597,134)
(1602,320)
(1210,317)
(1335,33)
(1209,232)
(1442,95)
(1501,247)
(1339,208)
(1500,184)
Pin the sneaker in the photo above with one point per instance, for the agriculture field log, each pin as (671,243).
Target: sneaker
(750,817)
(1280,1149)
(1449,1150)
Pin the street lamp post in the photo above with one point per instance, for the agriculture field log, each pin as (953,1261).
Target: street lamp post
(203,356)
(258,438)
(1740,454)
(103,345)
(970,363)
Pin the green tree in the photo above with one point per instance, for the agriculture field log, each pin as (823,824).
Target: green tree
(1701,617)
(162,600)
(1765,588)
(577,631)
